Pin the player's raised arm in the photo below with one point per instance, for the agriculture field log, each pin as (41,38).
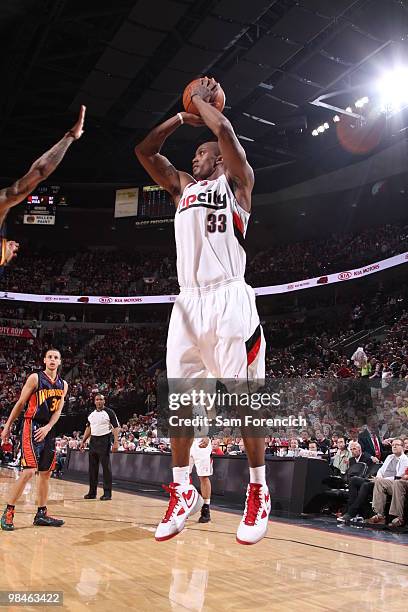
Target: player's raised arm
(159,168)
(41,169)
(237,168)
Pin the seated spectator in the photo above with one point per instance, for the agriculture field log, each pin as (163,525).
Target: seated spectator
(312,452)
(163,448)
(370,443)
(215,446)
(6,451)
(395,466)
(399,498)
(293,450)
(323,444)
(342,456)
(360,488)
(304,439)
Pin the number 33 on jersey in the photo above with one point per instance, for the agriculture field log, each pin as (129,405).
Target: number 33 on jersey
(210,228)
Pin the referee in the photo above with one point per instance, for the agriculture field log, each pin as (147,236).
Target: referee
(101,423)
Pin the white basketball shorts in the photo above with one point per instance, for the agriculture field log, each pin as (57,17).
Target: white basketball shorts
(201,458)
(216,333)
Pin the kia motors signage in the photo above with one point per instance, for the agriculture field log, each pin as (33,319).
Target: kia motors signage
(107,300)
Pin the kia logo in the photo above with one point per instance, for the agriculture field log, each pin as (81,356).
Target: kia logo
(345,275)
(105,300)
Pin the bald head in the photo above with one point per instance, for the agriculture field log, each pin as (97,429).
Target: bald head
(207,161)
(213,146)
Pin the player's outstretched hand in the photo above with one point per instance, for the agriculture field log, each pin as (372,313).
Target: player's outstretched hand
(205,88)
(78,129)
(190,119)
(11,250)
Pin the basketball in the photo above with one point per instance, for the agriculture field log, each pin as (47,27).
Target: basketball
(188,103)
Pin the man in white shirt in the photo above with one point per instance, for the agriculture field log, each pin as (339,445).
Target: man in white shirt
(342,456)
(394,468)
(102,422)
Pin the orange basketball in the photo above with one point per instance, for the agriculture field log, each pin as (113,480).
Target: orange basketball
(218,101)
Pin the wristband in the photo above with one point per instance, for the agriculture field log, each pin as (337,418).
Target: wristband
(180,116)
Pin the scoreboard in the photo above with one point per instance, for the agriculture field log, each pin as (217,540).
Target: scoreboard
(155,203)
(40,206)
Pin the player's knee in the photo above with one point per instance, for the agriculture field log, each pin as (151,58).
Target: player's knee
(27,474)
(45,475)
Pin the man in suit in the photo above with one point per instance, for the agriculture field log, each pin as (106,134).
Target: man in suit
(370,443)
(360,488)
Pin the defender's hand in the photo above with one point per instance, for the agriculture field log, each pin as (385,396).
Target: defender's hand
(78,129)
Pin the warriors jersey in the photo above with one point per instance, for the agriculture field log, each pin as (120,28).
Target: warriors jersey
(210,228)
(46,399)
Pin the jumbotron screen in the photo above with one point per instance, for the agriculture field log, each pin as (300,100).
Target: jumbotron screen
(40,206)
(155,203)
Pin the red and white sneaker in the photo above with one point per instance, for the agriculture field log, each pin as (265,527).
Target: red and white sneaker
(254,523)
(184,501)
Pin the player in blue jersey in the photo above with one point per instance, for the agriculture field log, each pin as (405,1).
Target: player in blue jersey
(39,171)
(43,396)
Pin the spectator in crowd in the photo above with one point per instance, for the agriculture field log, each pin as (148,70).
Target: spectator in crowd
(304,439)
(395,466)
(215,445)
(342,456)
(293,450)
(370,443)
(360,489)
(323,444)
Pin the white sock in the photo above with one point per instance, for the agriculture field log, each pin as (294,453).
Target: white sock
(257,475)
(207,501)
(181,475)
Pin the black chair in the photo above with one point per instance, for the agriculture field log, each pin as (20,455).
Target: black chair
(357,469)
(337,493)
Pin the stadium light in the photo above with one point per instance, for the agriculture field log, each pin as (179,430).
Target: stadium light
(315,133)
(336,118)
(326,125)
(349,109)
(361,102)
(320,129)
(393,89)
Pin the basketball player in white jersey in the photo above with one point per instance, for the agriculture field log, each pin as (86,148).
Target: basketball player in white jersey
(200,457)
(214,328)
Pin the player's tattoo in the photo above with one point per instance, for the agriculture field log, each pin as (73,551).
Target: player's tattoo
(51,159)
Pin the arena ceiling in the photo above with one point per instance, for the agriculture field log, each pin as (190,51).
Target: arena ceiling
(129,61)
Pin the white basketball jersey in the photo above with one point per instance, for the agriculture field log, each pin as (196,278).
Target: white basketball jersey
(210,228)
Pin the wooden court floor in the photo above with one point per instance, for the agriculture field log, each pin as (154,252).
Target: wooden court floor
(105,558)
